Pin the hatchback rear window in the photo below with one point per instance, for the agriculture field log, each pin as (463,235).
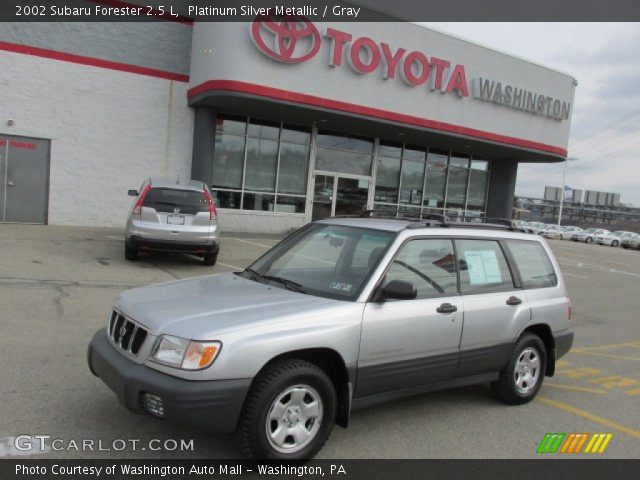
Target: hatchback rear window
(170,199)
(535,268)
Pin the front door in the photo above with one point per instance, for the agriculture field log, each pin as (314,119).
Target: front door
(24,179)
(409,343)
(338,195)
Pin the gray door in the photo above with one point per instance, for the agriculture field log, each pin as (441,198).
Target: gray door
(24,179)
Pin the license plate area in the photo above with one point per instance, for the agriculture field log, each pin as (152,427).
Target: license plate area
(175,219)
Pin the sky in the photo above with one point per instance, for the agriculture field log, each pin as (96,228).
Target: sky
(605,127)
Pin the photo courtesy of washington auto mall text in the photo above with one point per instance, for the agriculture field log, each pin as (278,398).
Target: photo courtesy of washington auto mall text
(353,239)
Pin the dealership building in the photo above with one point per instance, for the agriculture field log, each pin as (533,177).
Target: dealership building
(287,121)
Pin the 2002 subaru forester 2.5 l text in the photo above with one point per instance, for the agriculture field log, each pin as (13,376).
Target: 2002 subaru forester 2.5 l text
(343,313)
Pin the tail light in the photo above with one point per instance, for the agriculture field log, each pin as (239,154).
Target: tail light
(212,207)
(138,208)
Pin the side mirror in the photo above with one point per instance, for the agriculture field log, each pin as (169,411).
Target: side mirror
(132,193)
(399,290)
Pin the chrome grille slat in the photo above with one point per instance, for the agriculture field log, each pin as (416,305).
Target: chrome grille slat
(126,334)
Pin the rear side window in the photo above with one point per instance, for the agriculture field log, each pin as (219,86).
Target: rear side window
(170,199)
(483,266)
(533,264)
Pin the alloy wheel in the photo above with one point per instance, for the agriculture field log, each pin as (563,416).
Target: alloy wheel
(526,373)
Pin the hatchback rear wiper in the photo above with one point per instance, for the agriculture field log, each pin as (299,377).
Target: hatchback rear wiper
(289,284)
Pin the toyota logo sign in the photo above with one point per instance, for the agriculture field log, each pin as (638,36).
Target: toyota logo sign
(291,39)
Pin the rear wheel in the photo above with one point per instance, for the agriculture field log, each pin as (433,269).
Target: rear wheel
(615,243)
(210,258)
(588,240)
(289,413)
(522,378)
(130,253)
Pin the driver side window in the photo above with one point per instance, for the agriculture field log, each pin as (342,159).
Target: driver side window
(429,265)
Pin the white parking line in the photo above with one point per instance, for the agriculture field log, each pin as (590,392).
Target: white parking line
(574,275)
(115,237)
(233,267)
(600,268)
(249,242)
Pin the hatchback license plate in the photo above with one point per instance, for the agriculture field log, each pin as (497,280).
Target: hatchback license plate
(175,219)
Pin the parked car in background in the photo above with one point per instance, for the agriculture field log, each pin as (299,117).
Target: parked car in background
(631,242)
(567,232)
(342,314)
(549,229)
(173,215)
(614,238)
(588,235)
(552,232)
(536,227)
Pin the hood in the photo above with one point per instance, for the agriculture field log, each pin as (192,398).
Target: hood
(193,307)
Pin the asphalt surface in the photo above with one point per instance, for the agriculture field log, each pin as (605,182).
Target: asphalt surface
(58,284)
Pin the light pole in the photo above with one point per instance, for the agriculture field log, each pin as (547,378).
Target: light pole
(564,184)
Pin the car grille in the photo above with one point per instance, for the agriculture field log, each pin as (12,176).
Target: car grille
(126,334)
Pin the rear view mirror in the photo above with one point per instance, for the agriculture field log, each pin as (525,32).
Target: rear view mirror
(132,193)
(399,290)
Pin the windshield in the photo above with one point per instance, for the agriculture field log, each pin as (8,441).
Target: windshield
(618,233)
(590,230)
(325,260)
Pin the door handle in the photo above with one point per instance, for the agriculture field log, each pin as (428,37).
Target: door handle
(447,308)
(10,184)
(514,301)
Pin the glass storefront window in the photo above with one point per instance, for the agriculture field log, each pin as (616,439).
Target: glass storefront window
(262,160)
(342,161)
(253,158)
(387,179)
(294,167)
(457,187)
(344,142)
(477,190)
(228,161)
(436,179)
(412,177)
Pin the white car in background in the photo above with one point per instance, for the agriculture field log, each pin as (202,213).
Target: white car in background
(536,227)
(564,233)
(614,239)
(588,235)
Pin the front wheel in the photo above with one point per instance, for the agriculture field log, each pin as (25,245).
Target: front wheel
(289,413)
(521,379)
(615,243)
(588,240)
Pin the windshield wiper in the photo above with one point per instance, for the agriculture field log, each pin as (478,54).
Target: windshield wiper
(288,284)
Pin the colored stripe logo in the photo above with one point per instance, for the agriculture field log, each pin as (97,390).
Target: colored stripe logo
(573,443)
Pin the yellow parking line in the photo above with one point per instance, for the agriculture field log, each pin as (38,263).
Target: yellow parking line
(607,355)
(590,416)
(609,346)
(575,389)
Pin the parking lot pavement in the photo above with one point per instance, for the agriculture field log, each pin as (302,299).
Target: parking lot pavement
(57,286)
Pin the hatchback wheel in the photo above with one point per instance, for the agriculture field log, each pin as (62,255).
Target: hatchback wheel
(521,379)
(210,258)
(588,240)
(289,413)
(615,243)
(130,253)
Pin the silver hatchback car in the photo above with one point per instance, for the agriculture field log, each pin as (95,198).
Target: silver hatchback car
(343,313)
(173,215)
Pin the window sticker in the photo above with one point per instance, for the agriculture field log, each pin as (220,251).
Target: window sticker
(483,267)
(343,287)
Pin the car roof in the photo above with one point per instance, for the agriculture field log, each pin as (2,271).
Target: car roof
(176,182)
(417,228)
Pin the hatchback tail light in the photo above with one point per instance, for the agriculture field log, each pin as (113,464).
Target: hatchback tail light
(212,206)
(138,208)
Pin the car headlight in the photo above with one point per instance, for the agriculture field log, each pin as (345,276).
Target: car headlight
(185,354)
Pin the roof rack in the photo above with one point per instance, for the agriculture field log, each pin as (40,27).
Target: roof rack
(434,220)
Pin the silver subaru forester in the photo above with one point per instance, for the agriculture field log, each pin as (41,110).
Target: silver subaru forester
(343,313)
(173,215)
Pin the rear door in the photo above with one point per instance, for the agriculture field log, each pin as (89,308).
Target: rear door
(494,307)
(407,343)
(172,214)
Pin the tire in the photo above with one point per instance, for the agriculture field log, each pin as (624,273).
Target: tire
(210,259)
(281,390)
(511,387)
(130,253)
(615,243)
(558,237)
(588,240)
